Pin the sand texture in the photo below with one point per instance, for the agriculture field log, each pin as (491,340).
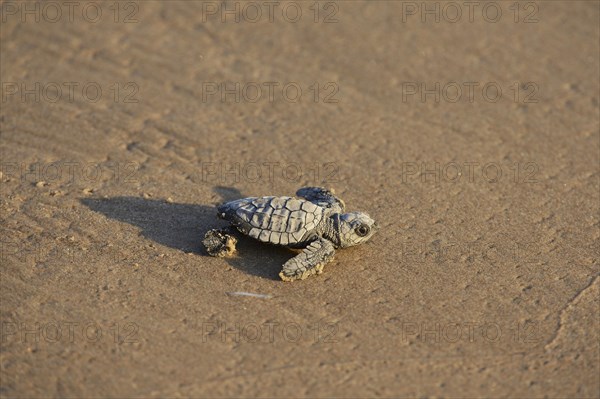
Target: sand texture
(474,144)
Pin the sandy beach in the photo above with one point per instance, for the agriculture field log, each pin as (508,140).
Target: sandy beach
(469,132)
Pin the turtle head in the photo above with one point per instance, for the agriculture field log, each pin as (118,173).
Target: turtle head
(355,228)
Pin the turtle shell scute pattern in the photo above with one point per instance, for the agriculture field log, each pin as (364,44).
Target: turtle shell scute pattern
(278,220)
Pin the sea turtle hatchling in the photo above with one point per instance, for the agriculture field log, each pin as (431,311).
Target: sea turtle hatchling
(314,223)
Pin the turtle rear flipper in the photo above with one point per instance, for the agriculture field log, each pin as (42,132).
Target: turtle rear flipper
(219,243)
(322,197)
(310,261)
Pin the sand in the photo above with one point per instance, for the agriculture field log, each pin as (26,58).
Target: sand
(472,140)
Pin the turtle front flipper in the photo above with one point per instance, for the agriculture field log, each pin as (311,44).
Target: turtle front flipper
(322,197)
(310,261)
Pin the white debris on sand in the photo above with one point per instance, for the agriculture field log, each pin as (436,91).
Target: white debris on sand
(241,293)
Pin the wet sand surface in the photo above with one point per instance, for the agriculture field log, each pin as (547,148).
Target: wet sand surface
(473,141)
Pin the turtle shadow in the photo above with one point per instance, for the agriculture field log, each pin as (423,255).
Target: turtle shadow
(228,193)
(182,227)
(259,259)
(179,226)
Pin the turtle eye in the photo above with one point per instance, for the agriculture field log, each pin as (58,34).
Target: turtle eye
(362,230)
